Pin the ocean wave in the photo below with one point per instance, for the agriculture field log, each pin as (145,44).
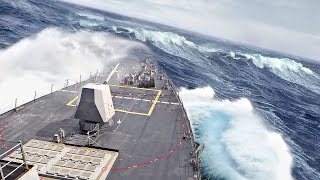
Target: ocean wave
(88,23)
(170,42)
(22,5)
(178,45)
(232,54)
(238,145)
(91,16)
(287,69)
(51,57)
(280,64)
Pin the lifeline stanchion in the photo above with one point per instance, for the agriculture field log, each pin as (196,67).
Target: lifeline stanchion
(51,88)
(23,155)
(16,103)
(35,95)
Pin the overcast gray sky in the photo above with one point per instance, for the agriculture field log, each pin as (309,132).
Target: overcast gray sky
(290,26)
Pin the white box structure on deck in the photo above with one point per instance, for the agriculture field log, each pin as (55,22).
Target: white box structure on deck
(95,103)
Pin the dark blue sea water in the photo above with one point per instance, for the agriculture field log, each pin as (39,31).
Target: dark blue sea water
(258,112)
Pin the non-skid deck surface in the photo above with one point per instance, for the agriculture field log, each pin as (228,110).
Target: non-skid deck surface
(148,128)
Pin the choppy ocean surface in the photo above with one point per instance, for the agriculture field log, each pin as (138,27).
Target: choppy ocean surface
(258,112)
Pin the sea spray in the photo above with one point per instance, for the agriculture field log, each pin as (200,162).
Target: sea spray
(52,56)
(238,144)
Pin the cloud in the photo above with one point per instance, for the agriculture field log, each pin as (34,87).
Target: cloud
(281,25)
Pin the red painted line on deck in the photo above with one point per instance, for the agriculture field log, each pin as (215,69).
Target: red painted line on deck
(159,157)
(124,168)
(151,161)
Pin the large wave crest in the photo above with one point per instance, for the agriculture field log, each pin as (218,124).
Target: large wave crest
(169,42)
(288,70)
(238,145)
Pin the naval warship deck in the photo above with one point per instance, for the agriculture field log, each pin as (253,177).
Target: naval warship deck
(151,130)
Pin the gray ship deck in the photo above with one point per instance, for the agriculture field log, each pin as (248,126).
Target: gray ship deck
(148,128)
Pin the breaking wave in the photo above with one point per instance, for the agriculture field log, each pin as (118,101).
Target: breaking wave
(280,64)
(91,16)
(51,57)
(178,45)
(169,42)
(287,69)
(237,143)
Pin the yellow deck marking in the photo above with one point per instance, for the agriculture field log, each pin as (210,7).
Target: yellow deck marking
(154,103)
(73,100)
(130,112)
(124,111)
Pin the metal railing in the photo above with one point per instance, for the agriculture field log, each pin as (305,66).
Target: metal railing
(19,102)
(13,161)
(188,123)
(95,132)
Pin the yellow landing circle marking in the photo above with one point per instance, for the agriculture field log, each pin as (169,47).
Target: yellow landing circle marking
(70,103)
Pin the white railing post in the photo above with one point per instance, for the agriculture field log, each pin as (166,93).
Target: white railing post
(1,172)
(51,88)
(16,103)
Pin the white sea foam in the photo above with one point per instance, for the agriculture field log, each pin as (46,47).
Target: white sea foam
(238,145)
(232,54)
(51,57)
